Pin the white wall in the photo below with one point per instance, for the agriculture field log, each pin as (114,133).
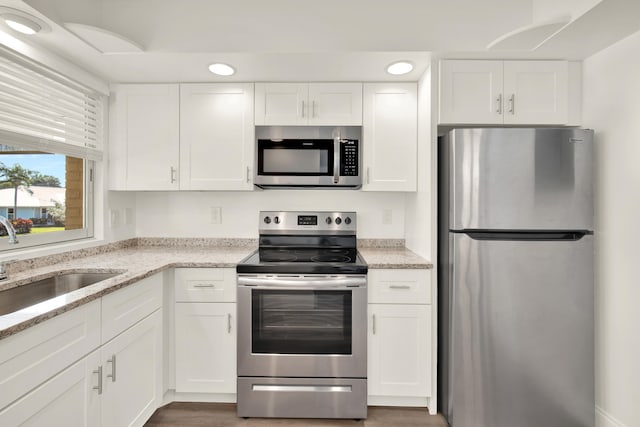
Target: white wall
(188,214)
(612,108)
(420,204)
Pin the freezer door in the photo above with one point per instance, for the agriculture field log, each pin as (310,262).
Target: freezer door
(521,343)
(522,179)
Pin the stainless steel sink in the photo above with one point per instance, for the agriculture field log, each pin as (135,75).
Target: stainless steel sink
(20,297)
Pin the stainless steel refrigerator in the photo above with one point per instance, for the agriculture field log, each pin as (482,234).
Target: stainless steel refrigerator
(516,278)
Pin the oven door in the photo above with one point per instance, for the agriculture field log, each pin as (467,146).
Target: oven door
(302,326)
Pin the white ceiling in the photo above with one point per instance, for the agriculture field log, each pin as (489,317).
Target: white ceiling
(304,40)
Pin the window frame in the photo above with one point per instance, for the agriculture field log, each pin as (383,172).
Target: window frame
(91,152)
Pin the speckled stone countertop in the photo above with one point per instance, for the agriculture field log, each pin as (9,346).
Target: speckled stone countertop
(137,259)
(391,257)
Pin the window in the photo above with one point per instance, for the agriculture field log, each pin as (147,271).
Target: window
(50,135)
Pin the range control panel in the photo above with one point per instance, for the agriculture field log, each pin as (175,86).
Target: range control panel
(320,222)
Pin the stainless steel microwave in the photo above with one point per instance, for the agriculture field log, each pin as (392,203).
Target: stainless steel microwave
(311,163)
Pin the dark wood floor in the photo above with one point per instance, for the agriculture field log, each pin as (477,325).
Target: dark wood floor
(224,415)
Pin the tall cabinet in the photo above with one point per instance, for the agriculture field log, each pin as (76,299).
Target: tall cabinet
(144,134)
(216,136)
(390,136)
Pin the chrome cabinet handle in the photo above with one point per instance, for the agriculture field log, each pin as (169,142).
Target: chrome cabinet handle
(314,108)
(368,175)
(112,375)
(99,386)
(499,101)
(205,285)
(302,108)
(512,103)
(399,287)
(373,323)
(173,174)
(228,323)
(248,174)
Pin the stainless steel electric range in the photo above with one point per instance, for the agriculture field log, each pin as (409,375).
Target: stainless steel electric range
(302,319)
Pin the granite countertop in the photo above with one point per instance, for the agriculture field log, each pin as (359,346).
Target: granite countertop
(143,258)
(393,257)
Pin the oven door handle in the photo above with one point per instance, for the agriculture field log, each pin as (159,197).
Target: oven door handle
(303,282)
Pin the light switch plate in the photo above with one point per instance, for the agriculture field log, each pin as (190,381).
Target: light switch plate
(216,215)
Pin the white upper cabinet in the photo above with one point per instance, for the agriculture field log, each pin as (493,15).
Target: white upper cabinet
(144,137)
(181,137)
(216,136)
(536,92)
(330,104)
(504,92)
(390,136)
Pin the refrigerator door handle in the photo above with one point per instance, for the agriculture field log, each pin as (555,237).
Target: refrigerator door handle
(528,235)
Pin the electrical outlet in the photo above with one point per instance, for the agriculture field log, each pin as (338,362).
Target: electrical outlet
(216,215)
(387,216)
(114,217)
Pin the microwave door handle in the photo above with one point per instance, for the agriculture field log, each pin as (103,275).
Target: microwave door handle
(336,160)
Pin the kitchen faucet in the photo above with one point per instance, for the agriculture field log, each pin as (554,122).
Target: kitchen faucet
(13,239)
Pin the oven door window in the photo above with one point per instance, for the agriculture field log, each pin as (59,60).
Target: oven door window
(301,322)
(295,157)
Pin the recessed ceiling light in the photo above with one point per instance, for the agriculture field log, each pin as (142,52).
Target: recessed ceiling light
(23,22)
(399,68)
(222,69)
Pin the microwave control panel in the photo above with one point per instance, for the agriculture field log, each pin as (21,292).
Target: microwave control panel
(349,157)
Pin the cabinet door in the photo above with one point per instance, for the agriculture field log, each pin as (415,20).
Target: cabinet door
(67,399)
(132,373)
(390,136)
(281,104)
(536,92)
(335,104)
(216,136)
(144,137)
(206,347)
(471,92)
(399,350)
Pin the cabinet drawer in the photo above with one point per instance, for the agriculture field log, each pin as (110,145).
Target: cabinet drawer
(127,306)
(30,357)
(395,286)
(205,284)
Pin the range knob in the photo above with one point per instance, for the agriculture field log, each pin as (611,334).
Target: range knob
(267,220)
(328,220)
(276,219)
(347,220)
(338,220)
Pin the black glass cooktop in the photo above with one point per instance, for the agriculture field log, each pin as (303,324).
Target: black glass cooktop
(303,261)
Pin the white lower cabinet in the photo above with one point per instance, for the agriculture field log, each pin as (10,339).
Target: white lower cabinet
(57,374)
(400,337)
(206,347)
(132,374)
(205,333)
(398,350)
(68,399)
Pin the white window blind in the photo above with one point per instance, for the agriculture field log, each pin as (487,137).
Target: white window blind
(46,110)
